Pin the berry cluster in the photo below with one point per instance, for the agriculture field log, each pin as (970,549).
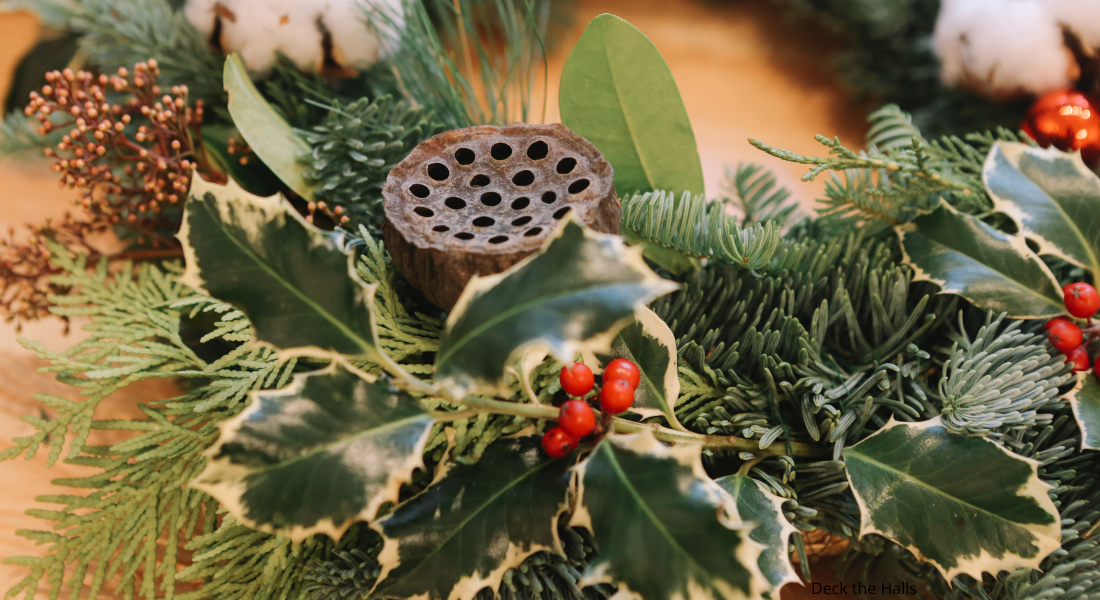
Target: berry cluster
(1082,301)
(576,419)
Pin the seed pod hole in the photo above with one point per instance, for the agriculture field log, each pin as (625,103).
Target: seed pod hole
(484,222)
(561,212)
(465,156)
(578,186)
(455,203)
(438,171)
(490,198)
(549,197)
(441,228)
(532,232)
(501,151)
(566,165)
(500,239)
(538,150)
(420,191)
(464,236)
(520,203)
(424,211)
(479,181)
(523,178)
(521,221)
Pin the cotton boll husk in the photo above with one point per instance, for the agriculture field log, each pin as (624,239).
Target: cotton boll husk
(258,29)
(1082,16)
(1002,48)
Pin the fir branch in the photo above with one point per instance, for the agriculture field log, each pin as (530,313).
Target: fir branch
(701,229)
(20,138)
(753,189)
(1000,381)
(354,150)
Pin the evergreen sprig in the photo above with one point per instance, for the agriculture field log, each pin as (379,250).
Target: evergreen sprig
(354,149)
(701,229)
(754,190)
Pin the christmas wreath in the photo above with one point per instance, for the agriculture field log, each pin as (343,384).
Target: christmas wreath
(422,354)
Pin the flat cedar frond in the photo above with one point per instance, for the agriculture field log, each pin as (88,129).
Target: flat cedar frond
(700,229)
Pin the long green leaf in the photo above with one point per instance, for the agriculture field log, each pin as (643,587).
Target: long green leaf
(993,270)
(269,136)
(474,523)
(293,280)
(617,92)
(965,504)
(1051,196)
(665,530)
(573,295)
(327,451)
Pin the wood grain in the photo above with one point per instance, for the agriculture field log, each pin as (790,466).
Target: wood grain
(743,72)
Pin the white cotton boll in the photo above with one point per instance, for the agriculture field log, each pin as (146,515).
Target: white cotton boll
(1002,48)
(258,29)
(346,22)
(1082,16)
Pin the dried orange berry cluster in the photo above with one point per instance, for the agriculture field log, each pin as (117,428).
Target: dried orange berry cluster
(128,160)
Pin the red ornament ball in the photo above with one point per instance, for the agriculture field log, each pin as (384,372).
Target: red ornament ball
(1079,358)
(621,368)
(576,379)
(576,418)
(1081,300)
(1065,336)
(616,396)
(1067,120)
(557,443)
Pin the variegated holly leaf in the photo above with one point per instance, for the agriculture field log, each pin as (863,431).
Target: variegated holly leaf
(764,510)
(965,504)
(665,530)
(474,523)
(268,135)
(993,270)
(1085,400)
(1051,196)
(293,280)
(573,295)
(649,343)
(315,457)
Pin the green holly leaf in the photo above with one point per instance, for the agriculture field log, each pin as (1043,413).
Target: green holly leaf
(317,456)
(965,504)
(1051,196)
(573,295)
(474,523)
(650,344)
(1085,401)
(993,270)
(293,280)
(268,134)
(764,510)
(665,530)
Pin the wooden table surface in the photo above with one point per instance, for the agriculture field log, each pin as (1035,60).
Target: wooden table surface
(742,70)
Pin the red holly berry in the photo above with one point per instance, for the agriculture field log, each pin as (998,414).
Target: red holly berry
(1068,120)
(1079,358)
(621,368)
(1065,336)
(576,379)
(557,443)
(576,418)
(616,396)
(1055,320)
(1081,300)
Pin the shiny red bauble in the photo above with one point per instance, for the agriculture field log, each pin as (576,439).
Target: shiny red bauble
(621,368)
(576,418)
(1079,358)
(616,396)
(1065,336)
(576,379)
(557,443)
(1067,120)
(1081,300)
